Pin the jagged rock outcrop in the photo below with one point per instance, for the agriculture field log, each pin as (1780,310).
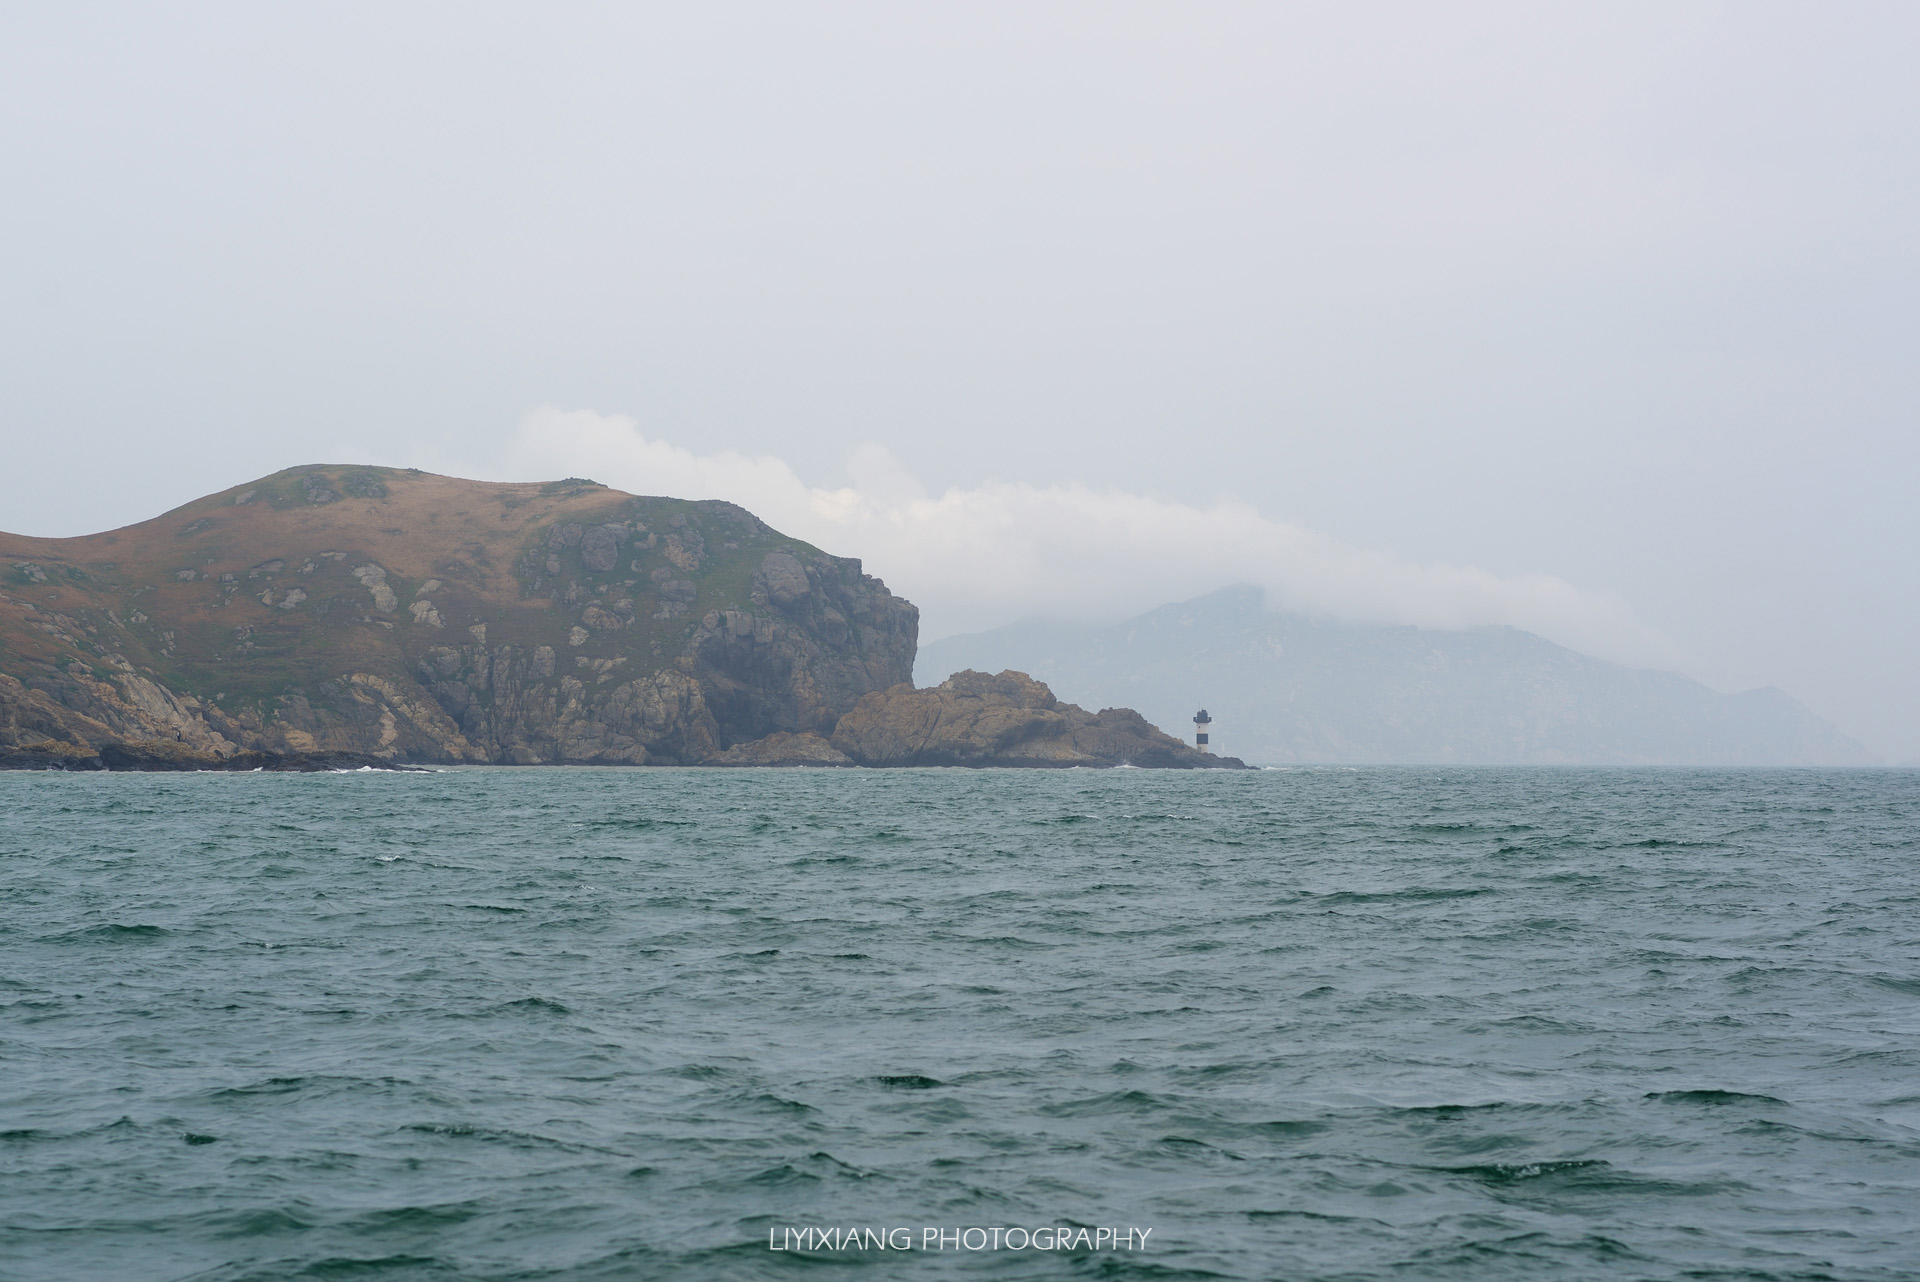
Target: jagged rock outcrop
(38,734)
(973,719)
(112,705)
(33,723)
(783,749)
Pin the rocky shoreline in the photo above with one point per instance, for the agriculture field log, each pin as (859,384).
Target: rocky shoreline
(973,720)
(158,756)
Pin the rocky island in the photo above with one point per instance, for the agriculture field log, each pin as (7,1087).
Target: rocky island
(332,616)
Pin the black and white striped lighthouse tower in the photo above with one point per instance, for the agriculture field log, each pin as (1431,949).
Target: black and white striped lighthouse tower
(1200,723)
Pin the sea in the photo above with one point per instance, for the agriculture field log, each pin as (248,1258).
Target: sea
(1315,1023)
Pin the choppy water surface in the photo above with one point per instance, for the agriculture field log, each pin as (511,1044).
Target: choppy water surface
(620,1024)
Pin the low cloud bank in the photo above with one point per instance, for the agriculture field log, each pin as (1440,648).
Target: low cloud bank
(978,558)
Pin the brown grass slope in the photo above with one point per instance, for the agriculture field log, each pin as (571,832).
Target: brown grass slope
(426,618)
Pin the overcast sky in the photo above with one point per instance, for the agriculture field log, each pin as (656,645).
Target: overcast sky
(1600,320)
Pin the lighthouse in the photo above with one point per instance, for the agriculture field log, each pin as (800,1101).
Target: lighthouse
(1200,723)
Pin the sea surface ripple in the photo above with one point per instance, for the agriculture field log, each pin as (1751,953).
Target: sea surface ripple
(1319,1023)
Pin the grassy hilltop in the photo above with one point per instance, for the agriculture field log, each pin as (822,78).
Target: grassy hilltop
(430,618)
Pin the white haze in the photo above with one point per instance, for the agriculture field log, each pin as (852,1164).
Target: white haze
(1621,295)
(978,556)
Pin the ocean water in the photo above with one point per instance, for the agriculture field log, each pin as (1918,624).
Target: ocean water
(1320,1023)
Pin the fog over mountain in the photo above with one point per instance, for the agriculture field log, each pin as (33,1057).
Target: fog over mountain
(1284,687)
(1591,320)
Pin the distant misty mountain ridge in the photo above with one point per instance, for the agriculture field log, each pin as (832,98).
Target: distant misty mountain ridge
(1286,687)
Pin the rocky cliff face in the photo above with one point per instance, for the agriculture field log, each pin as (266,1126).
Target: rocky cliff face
(973,719)
(421,618)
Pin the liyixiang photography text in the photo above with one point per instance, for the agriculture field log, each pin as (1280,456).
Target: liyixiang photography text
(975,1238)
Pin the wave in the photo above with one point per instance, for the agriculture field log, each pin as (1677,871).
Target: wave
(1714,1097)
